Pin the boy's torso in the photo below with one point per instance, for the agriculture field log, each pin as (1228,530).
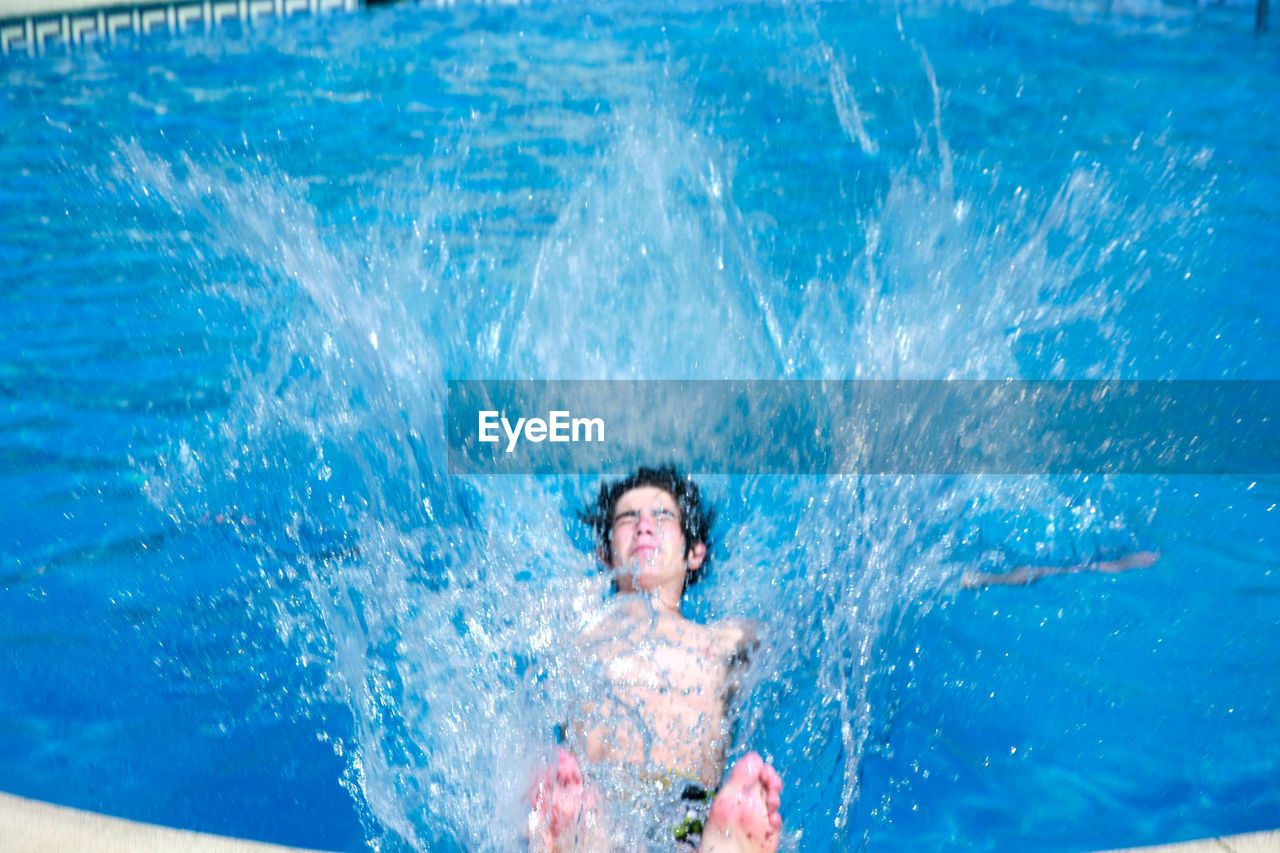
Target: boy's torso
(664,685)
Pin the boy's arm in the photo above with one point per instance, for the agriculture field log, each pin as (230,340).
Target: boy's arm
(1026,574)
(738,639)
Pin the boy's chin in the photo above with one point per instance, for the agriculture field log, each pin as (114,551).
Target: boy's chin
(639,576)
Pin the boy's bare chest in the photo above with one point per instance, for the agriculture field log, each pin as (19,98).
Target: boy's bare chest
(680,668)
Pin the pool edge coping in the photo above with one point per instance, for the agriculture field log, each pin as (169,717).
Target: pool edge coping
(1265,841)
(33,826)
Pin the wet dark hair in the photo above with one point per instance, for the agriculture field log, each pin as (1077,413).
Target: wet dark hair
(696,516)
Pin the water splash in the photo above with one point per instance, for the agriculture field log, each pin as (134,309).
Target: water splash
(435,607)
(648,270)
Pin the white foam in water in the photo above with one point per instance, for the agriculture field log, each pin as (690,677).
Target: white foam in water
(436,607)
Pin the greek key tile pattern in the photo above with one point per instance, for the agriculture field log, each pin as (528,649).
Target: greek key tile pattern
(43,33)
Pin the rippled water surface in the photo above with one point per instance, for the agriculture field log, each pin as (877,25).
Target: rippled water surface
(239,591)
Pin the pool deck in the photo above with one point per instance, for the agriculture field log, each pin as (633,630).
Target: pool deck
(30,826)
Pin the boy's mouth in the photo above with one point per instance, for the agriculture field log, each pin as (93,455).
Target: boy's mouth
(640,553)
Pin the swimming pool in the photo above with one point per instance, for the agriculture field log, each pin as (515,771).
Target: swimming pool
(240,593)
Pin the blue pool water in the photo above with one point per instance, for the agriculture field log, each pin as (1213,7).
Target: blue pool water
(240,593)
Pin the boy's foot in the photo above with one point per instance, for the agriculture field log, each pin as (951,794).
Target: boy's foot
(745,814)
(563,816)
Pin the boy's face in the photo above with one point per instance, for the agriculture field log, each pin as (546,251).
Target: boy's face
(648,543)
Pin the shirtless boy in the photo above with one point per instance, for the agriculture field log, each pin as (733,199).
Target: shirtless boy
(660,721)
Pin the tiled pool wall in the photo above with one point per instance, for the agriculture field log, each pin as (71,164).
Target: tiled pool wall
(42,31)
(44,26)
